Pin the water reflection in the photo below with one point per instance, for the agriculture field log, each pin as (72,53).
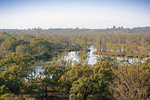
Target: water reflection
(91,58)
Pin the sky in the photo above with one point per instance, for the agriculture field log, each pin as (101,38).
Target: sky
(94,14)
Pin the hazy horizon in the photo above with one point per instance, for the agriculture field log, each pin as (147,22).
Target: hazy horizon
(73,28)
(95,14)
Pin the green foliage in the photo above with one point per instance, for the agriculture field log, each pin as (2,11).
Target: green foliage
(74,74)
(131,82)
(4,89)
(3,36)
(82,88)
(94,85)
(83,56)
(39,46)
(8,96)
(82,81)
(21,50)
(104,69)
(9,44)
(54,71)
(15,70)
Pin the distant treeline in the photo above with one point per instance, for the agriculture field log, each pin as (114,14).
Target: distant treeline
(78,30)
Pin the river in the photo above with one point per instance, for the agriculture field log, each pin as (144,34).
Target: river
(73,55)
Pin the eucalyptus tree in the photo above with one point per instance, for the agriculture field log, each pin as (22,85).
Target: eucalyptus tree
(14,70)
(131,82)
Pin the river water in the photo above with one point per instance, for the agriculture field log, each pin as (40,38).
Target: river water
(73,55)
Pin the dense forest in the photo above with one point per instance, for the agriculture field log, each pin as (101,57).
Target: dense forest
(108,79)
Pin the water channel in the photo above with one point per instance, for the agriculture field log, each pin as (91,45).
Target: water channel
(73,55)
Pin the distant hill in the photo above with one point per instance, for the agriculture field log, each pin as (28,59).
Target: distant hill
(78,30)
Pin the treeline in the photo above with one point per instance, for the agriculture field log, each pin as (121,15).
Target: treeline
(78,30)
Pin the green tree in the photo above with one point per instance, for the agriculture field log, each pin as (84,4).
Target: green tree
(52,73)
(131,82)
(82,89)
(14,71)
(76,72)
(9,44)
(3,36)
(40,47)
(103,74)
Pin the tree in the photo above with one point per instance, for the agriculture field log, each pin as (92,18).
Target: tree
(131,82)
(40,47)
(103,74)
(83,56)
(96,85)
(76,72)
(46,82)
(3,36)
(15,70)
(82,88)
(52,73)
(9,44)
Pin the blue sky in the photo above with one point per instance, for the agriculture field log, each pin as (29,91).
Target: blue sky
(74,13)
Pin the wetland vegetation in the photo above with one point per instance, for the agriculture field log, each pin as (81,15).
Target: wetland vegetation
(75,66)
